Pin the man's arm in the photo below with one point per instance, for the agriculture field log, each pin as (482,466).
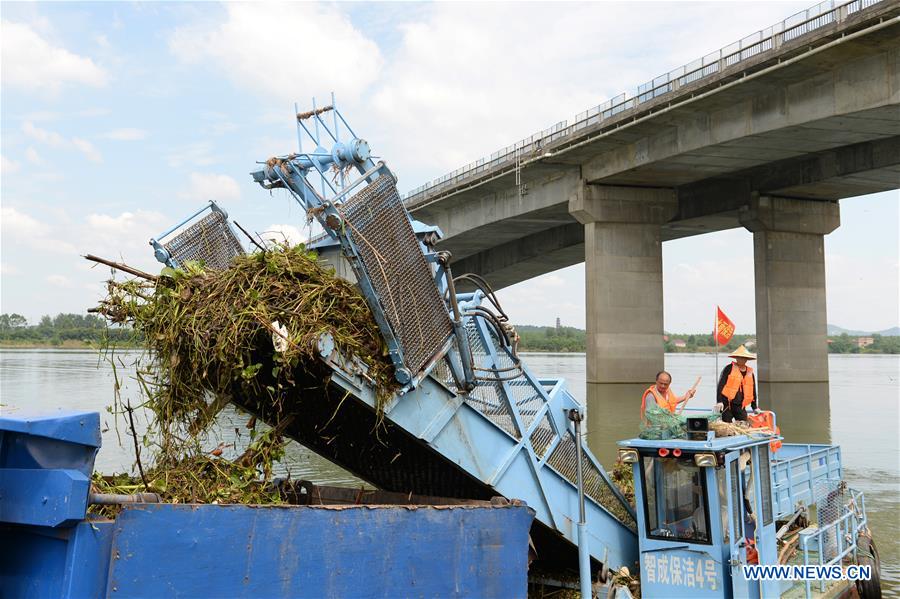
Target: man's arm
(722,380)
(755,396)
(687,395)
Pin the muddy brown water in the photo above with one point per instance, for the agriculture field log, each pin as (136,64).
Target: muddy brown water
(862,415)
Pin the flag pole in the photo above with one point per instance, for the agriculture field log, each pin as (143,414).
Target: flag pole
(716,341)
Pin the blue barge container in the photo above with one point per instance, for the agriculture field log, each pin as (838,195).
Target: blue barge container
(52,548)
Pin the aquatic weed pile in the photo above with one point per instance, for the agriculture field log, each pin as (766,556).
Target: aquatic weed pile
(213,331)
(250,329)
(623,476)
(199,477)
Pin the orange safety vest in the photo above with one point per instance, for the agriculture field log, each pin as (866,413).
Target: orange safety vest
(670,402)
(737,380)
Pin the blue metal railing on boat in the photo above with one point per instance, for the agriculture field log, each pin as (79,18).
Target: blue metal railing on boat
(842,533)
(796,469)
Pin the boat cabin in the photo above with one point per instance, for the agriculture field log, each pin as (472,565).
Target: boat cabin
(708,506)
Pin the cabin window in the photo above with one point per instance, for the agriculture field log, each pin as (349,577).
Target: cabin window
(676,506)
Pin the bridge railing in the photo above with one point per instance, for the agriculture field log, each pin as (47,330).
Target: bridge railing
(766,40)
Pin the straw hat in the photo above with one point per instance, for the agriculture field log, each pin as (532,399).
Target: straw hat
(741,352)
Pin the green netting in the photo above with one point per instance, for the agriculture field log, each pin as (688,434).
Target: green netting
(661,424)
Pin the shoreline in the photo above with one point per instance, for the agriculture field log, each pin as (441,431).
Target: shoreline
(74,344)
(67,344)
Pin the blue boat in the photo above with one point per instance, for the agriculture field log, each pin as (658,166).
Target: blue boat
(469,422)
(52,548)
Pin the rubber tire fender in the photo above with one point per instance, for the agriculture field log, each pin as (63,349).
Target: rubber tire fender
(868,556)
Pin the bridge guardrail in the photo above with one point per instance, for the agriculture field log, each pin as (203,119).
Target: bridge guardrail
(791,28)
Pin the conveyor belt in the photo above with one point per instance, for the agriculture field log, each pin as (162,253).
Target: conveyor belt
(507,438)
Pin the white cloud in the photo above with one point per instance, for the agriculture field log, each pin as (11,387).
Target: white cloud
(209,186)
(552,281)
(458,88)
(59,281)
(48,249)
(19,224)
(222,127)
(191,155)
(218,122)
(55,140)
(35,65)
(32,156)
(253,45)
(8,269)
(122,236)
(23,229)
(704,271)
(695,279)
(106,224)
(480,84)
(41,115)
(51,138)
(88,149)
(282,233)
(7,166)
(541,300)
(862,294)
(126,134)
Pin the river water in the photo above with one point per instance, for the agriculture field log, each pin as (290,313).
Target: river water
(862,416)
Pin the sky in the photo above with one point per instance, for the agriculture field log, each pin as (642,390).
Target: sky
(117,120)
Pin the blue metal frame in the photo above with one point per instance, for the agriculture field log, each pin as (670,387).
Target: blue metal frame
(679,568)
(292,171)
(451,424)
(794,470)
(156,550)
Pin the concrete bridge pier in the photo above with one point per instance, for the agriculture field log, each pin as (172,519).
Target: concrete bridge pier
(789,256)
(624,289)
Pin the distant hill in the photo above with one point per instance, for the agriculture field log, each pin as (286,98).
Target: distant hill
(833,329)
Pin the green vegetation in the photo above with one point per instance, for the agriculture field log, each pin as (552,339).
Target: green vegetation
(847,344)
(79,331)
(64,330)
(697,342)
(570,339)
(251,330)
(212,332)
(551,339)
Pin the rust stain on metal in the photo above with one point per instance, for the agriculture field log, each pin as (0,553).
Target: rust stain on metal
(302,116)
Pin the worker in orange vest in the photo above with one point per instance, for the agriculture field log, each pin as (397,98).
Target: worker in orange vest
(737,387)
(663,395)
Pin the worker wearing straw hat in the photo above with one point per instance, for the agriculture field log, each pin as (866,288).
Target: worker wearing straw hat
(737,387)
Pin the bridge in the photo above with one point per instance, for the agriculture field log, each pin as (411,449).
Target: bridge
(767,134)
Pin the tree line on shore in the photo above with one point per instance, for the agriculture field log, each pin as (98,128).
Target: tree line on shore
(88,329)
(570,339)
(62,329)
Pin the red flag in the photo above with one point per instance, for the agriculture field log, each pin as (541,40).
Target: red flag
(724,327)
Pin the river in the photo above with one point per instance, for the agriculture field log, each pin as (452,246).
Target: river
(862,416)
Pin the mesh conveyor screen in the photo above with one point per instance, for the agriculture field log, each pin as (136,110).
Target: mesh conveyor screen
(402,279)
(209,240)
